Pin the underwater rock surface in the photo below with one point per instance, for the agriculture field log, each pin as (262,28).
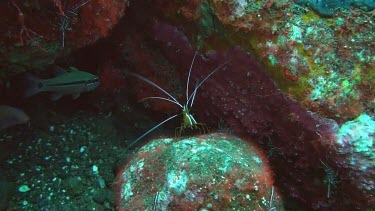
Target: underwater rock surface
(213,172)
(326,64)
(38,32)
(296,84)
(329,8)
(298,142)
(356,154)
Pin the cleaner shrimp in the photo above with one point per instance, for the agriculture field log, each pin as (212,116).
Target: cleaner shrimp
(188,120)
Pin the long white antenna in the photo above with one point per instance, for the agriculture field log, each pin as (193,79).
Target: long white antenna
(200,84)
(152,129)
(193,97)
(155,85)
(188,79)
(160,98)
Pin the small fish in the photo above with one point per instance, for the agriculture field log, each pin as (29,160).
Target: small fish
(10,116)
(72,82)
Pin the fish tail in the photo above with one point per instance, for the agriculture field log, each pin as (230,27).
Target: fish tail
(10,116)
(33,85)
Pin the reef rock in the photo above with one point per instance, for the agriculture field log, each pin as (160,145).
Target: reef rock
(326,64)
(37,32)
(245,97)
(214,171)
